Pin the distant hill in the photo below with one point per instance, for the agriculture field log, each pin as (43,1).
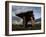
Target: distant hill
(16,20)
(38,20)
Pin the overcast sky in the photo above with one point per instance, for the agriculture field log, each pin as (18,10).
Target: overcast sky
(19,9)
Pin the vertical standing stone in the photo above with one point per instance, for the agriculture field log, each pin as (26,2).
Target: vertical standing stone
(33,23)
(24,21)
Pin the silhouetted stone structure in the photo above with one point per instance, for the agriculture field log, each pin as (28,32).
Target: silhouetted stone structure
(27,16)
